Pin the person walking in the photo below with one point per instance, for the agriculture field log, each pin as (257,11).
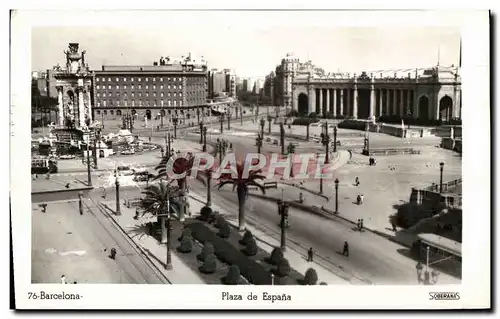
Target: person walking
(356,181)
(345,251)
(310,254)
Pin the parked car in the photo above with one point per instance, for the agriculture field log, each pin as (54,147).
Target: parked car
(129,151)
(125,171)
(67,156)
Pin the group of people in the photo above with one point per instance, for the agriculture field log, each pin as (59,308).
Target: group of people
(345,252)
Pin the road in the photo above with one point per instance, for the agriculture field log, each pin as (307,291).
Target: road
(78,246)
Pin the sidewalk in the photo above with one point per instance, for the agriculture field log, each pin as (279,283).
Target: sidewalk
(180,274)
(297,259)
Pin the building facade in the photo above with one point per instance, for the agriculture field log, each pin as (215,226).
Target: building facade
(168,89)
(73,85)
(428,94)
(285,74)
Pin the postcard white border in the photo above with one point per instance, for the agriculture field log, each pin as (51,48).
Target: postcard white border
(475,287)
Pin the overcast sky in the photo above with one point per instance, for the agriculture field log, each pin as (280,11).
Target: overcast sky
(252,49)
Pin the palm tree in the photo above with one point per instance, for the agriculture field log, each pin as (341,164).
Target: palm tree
(157,198)
(241,183)
(180,165)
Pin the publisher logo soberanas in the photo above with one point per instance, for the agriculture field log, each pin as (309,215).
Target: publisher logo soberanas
(444,296)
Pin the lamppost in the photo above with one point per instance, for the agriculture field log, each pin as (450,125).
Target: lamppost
(258,142)
(228,119)
(117,188)
(283,212)
(441,167)
(291,151)
(198,114)
(89,178)
(335,139)
(262,123)
(96,137)
(161,116)
(269,120)
(241,115)
(221,118)
(325,140)
(80,206)
(102,119)
(209,192)
(282,138)
(204,138)
(336,196)
(175,120)
(168,265)
(201,132)
(169,151)
(366,150)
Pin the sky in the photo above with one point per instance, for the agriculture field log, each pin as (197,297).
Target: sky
(252,49)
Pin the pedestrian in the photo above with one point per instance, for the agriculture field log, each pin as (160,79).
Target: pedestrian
(419,268)
(358,224)
(362,198)
(113,253)
(310,254)
(136,217)
(358,199)
(356,181)
(63,279)
(345,251)
(394,229)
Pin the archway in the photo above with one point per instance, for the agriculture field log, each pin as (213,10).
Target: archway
(148,114)
(101,154)
(445,108)
(303,106)
(162,113)
(133,111)
(118,113)
(423,108)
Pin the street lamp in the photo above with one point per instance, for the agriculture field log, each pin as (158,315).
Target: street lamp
(117,188)
(175,121)
(161,116)
(228,119)
(168,265)
(336,196)
(335,139)
(201,132)
(366,148)
(320,179)
(325,140)
(89,178)
(221,118)
(291,151)
(241,115)
(204,138)
(441,166)
(269,120)
(282,138)
(258,142)
(283,212)
(80,206)
(262,123)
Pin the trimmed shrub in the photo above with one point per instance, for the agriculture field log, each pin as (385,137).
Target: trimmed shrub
(219,221)
(254,272)
(283,268)
(207,249)
(304,121)
(313,115)
(224,231)
(251,248)
(209,265)
(232,277)
(186,232)
(186,245)
(293,113)
(311,277)
(205,212)
(246,238)
(276,256)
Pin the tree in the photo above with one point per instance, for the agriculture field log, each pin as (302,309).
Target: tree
(157,198)
(186,245)
(251,248)
(246,238)
(42,104)
(311,277)
(209,265)
(232,277)
(224,231)
(241,184)
(283,268)
(182,165)
(207,249)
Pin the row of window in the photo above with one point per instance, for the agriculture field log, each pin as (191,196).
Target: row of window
(140,103)
(139,94)
(139,86)
(119,112)
(139,79)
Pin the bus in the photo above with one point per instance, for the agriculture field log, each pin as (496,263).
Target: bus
(439,252)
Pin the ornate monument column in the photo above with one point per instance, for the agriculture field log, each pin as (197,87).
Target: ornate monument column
(401,103)
(380,104)
(81,107)
(88,109)
(341,101)
(334,102)
(60,106)
(355,101)
(320,102)
(394,102)
(408,100)
(372,100)
(348,101)
(312,99)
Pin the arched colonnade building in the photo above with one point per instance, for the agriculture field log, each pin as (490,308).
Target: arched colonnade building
(427,94)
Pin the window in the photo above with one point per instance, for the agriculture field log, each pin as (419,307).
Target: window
(104,103)
(155,103)
(117,80)
(118,94)
(147,79)
(180,86)
(175,94)
(174,87)
(154,94)
(175,102)
(154,79)
(140,102)
(109,87)
(98,94)
(139,79)
(132,86)
(97,79)
(133,94)
(105,112)
(111,112)
(175,79)
(169,79)
(180,103)
(140,94)
(125,94)
(125,87)
(161,79)
(124,103)
(131,79)
(154,87)
(117,87)
(97,87)
(161,87)
(147,87)
(98,104)
(168,87)
(161,102)
(168,94)
(180,94)
(125,80)
(104,94)
(109,79)
(147,94)
(133,103)
(161,94)
(110,102)
(140,87)
(168,102)
(98,111)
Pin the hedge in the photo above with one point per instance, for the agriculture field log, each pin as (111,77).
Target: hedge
(305,121)
(353,125)
(225,252)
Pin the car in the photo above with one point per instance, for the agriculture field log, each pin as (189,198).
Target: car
(275,142)
(130,151)
(67,156)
